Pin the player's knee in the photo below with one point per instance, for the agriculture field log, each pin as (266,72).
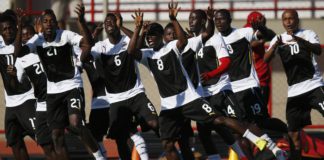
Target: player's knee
(294,136)
(219,120)
(154,124)
(168,145)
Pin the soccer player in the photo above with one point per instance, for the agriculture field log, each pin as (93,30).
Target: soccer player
(20,100)
(179,99)
(243,76)
(65,97)
(262,68)
(124,88)
(298,49)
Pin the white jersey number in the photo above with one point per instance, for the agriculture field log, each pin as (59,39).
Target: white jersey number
(160,65)
(256,109)
(39,68)
(321,105)
(207,108)
(52,52)
(32,122)
(230,49)
(9,59)
(294,49)
(151,107)
(117,60)
(75,103)
(200,54)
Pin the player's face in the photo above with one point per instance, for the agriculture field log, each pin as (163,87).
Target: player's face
(26,34)
(195,23)
(110,24)
(8,31)
(169,34)
(222,22)
(154,41)
(49,24)
(290,21)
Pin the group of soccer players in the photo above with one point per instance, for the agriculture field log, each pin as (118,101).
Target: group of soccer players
(201,75)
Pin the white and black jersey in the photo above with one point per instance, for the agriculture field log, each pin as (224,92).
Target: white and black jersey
(208,60)
(189,62)
(300,66)
(241,72)
(174,85)
(59,61)
(120,69)
(1,41)
(96,77)
(18,93)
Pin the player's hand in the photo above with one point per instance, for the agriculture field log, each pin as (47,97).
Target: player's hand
(20,13)
(11,70)
(97,30)
(173,10)
(258,24)
(279,41)
(146,26)
(205,77)
(119,20)
(38,25)
(138,18)
(296,38)
(80,11)
(210,13)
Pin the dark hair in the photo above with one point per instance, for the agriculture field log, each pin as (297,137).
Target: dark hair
(201,13)
(7,18)
(49,12)
(225,12)
(110,14)
(29,27)
(169,25)
(155,29)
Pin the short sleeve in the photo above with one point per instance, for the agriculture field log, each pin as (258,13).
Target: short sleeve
(312,37)
(247,32)
(96,50)
(273,41)
(20,70)
(73,38)
(173,45)
(194,43)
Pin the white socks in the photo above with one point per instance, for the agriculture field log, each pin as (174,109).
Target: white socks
(250,136)
(140,146)
(271,145)
(214,157)
(98,155)
(236,147)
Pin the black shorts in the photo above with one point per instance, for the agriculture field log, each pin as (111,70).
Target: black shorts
(99,122)
(187,130)
(20,121)
(265,92)
(226,103)
(299,108)
(251,101)
(122,114)
(43,133)
(172,120)
(61,105)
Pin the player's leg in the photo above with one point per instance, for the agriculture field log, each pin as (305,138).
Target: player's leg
(186,134)
(205,137)
(57,119)
(14,136)
(146,111)
(171,122)
(43,132)
(75,103)
(98,125)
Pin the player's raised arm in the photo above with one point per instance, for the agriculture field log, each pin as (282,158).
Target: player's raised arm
(270,53)
(313,47)
(119,22)
(210,30)
(132,47)
(262,32)
(87,40)
(18,42)
(182,38)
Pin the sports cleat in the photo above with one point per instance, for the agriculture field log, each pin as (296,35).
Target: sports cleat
(261,144)
(281,155)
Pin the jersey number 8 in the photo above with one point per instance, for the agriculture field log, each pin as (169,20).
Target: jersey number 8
(160,65)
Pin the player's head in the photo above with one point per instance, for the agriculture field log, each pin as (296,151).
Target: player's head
(223,20)
(11,13)
(8,28)
(27,32)
(290,20)
(197,20)
(169,33)
(154,35)
(49,22)
(110,24)
(254,16)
